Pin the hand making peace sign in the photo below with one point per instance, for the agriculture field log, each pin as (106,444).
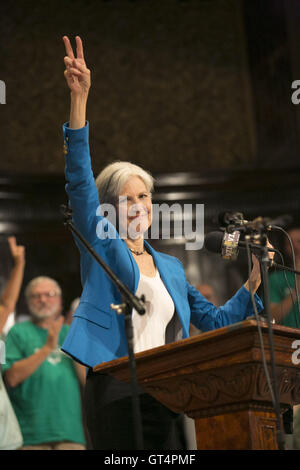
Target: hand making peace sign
(77,75)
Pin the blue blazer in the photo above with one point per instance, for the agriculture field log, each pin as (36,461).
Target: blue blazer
(97,333)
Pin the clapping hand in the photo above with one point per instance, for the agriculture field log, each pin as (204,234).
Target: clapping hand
(54,328)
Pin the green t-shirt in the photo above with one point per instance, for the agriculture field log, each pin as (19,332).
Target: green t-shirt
(48,403)
(279,290)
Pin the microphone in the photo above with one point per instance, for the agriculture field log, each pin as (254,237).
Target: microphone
(227,218)
(222,242)
(227,244)
(232,221)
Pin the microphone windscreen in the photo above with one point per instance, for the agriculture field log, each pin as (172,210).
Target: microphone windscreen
(213,241)
(224,218)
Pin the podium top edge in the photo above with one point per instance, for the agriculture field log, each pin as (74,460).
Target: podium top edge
(245,327)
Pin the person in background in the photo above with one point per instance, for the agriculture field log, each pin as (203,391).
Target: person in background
(284,310)
(10,433)
(42,381)
(69,315)
(283,306)
(208,292)
(11,292)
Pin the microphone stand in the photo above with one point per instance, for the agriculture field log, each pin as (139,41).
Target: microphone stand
(284,268)
(264,264)
(129,301)
(258,229)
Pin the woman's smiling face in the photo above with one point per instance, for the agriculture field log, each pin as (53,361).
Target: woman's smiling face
(134,208)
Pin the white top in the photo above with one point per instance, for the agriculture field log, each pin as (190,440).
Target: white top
(150,328)
(10,322)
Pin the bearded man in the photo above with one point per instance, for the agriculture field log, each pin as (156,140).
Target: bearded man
(44,383)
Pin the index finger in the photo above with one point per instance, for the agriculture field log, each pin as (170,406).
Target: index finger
(79,49)
(12,242)
(68,47)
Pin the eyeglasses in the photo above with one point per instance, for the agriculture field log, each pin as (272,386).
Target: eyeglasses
(48,295)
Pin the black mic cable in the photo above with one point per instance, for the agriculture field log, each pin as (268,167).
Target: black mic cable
(273,390)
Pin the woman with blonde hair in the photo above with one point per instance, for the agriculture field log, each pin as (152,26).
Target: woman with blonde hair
(97,333)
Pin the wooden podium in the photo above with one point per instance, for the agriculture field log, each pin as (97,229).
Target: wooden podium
(217,378)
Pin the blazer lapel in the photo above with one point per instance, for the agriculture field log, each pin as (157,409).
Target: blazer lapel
(164,274)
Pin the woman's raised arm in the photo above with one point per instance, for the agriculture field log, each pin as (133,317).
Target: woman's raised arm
(80,187)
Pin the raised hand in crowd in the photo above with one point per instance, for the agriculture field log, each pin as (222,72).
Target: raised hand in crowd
(12,289)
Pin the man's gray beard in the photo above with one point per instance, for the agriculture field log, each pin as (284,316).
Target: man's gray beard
(42,316)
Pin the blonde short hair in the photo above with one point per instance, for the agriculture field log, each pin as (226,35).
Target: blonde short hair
(115,175)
